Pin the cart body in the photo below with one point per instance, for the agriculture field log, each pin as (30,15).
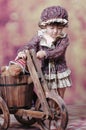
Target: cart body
(16,91)
(17,95)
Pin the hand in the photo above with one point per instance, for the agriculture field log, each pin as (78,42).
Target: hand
(41,54)
(21,54)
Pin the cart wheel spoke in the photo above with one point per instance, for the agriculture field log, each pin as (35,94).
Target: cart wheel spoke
(58,120)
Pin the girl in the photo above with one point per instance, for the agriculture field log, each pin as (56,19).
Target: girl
(50,45)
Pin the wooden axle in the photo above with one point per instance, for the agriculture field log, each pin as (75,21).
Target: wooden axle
(30,113)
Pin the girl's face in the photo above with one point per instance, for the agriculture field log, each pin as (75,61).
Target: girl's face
(54,31)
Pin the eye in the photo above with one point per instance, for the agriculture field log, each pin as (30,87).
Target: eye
(60,28)
(52,27)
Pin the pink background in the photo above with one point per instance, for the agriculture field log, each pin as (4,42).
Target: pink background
(19,22)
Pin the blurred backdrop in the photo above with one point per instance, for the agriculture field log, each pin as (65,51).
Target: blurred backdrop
(19,22)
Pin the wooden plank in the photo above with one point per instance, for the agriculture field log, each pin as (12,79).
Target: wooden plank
(30,113)
(37,84)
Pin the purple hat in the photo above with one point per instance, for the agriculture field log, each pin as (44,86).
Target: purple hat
(53,14)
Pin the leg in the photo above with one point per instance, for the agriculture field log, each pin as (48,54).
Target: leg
(61,91)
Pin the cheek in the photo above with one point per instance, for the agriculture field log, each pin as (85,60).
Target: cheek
(49,32)
(59,31)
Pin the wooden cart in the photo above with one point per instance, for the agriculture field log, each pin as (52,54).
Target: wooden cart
(30,104)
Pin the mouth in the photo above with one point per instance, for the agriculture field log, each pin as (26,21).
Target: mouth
(55,35)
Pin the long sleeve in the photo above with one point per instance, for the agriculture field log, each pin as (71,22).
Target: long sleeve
(59,50)
(32,44)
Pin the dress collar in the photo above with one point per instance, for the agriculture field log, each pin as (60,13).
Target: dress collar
(47,40)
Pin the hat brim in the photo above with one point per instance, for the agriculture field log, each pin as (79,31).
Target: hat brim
(42,24)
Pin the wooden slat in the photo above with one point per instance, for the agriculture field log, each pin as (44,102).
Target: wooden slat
(37,84)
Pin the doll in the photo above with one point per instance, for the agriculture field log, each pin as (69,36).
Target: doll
(50,45)
(14,68)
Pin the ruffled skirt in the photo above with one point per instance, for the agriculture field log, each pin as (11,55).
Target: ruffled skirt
(59,80)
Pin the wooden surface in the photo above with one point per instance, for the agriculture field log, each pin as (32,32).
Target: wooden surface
(77,119)
(16,87)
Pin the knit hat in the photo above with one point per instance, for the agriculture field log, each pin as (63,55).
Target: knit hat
(53,14)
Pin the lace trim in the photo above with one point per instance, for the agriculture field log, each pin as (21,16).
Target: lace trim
(64,74)
(64,21)
(58,75)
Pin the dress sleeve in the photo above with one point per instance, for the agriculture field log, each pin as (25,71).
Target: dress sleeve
(32,44)
(59,49)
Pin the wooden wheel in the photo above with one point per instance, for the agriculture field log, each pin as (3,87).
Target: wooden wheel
(4,115)
(59,118)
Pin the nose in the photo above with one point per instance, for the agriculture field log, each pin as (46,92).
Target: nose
(59,31)
(55,30)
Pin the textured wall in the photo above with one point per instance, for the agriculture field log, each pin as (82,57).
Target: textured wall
(18,23)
